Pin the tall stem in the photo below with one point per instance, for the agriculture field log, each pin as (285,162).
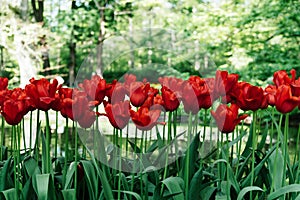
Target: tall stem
(2,138)
(285,147)
(120,166)
(56,136)
(37,135)
(76,156)
(14,150)
(187,160)
(30,134)
(253,149)
(66,150)
(48,158)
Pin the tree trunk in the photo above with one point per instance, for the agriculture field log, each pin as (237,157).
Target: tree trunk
(99,69)
(38,11)
(45,55)
(72,65)
(24,10)
(72,47)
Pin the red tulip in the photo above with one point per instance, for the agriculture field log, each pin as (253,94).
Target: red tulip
(75,106)
(224,83)
(171,101)
(128,79)
(150,98)
(284,100)
(42,93)
(173,84)
(3,83)
(145,118)
(94,88)
(227,117)
(13,111)
(115,92)
(118,114)
(15,106)
(196,95)
(138,93)
(270,92)
(282,78)
(249,97)
(87,119)
(295,86)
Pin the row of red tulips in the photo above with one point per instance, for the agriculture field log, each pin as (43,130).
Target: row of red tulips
(195,93)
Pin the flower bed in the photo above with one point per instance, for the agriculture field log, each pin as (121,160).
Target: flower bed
(161,161)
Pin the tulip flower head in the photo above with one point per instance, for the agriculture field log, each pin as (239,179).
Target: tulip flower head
(227,117)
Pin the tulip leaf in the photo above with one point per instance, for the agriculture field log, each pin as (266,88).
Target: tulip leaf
(90,177)
(284,190)
(43,186)
(134,194)
(70,174)
(4,174)
(263,139)
(174,189)
(193,150)
(194,192)
(10,194)
(69,194)
(258,167)
(276,159)
(31,167)
(248,189)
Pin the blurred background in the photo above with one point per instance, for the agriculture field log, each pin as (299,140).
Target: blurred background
(52,38)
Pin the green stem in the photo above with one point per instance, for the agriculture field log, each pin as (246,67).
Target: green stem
(24,136)
(66,151)
(253,149)
(272,130)
(296,147)
(2,138)
(48,158)
(15,155)
(298,168)
(174,135)
(187,160)
(285,148)
(30,134)
(141,157)
(276,154)
(56,135)
(76,158)
(37,135)
(127,139)
(227,169)
(120,166)
(239,147)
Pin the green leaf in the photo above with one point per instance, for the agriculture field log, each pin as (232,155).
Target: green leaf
(90,177)
(70,174)
(43,186)
(69,194)
(264,137)
(193,149)
(207,192)
(196,181)
(10,194)
(4,173)
(174,186)
(31,167)
(257,168)
(284,190)
(247,189)
(275,162)
(134,194)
